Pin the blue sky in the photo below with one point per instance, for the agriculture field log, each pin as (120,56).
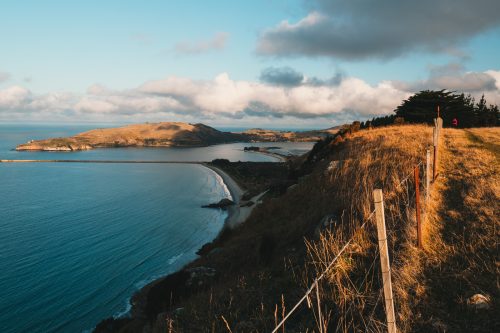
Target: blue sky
(53,51)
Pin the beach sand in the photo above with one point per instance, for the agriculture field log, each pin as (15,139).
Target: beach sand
(236,213)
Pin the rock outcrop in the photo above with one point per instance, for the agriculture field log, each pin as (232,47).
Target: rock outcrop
(222,204)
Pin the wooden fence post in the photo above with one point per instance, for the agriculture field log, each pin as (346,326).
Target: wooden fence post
(320,317)
(417,206)
(427,176)
(384,260)
(438,125)
(435,142)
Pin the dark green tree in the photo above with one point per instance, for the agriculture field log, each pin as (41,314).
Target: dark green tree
(422,108)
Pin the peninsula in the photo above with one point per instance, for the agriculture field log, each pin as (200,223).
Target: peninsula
(166,134)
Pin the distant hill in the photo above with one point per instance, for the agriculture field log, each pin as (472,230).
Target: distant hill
(165,134)
(258,134)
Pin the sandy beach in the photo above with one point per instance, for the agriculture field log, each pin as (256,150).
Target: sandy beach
(236,213)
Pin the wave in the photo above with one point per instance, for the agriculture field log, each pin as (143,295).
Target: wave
(221,182)
(141,284)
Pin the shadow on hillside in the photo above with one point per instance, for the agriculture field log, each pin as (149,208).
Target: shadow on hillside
(469,268)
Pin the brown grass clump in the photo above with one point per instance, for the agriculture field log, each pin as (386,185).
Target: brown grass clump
(380,158)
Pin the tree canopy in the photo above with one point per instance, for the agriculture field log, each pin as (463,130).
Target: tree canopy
(422,108)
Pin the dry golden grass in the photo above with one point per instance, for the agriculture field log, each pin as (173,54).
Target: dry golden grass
(379,158)
(162,134)
(265,268)
(165,130)
(463,254)
(460,251)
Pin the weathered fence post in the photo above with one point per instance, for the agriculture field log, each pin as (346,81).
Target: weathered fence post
(438,125)
(320,316)
(417,206)
(435,142)
(427,176)
(384,260)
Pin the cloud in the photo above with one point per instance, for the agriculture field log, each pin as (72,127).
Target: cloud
(452,68)
(4,76)
(452,77)
(14,97)
(380,29)
(281,76)
(217,42)
(225,100)
(289,77)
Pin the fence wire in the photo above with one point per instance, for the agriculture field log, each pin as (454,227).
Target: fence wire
(410,199)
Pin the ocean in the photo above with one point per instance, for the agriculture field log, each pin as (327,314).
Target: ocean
(77,240)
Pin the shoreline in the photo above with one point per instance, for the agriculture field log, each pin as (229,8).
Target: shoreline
(236,216)
(234,189)
(280,158)
(240,211)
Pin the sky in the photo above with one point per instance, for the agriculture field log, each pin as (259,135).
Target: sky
(265,63)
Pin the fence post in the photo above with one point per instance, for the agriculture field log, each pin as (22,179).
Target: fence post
(320,317)
(427,176)
(435,138)
(417,206)
(384,260)
(438,125)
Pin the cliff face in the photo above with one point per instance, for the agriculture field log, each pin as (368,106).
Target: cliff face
(164,134)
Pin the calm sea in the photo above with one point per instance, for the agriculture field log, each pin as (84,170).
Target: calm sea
(77,240)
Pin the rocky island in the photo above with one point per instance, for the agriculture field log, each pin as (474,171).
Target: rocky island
(165,134)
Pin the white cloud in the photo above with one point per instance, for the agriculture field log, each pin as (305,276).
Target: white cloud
(14,97)
(217,42)
(225,100)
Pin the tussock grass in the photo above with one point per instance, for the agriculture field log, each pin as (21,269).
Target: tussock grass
(380,158)
(266,265)
(463,256)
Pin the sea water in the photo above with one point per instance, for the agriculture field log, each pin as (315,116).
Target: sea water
(77,240)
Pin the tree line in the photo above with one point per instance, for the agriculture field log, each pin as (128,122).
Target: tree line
(457,110)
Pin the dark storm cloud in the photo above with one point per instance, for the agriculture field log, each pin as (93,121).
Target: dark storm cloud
(381,29)
(281,76)
(333,81)
(289,77)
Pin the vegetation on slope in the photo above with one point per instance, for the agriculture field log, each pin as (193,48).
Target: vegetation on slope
(461,257)
(258,273)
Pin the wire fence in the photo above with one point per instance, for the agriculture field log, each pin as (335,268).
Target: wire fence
(413,187)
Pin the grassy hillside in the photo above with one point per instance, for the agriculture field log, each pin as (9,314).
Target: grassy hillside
(259,271)
(164,134)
